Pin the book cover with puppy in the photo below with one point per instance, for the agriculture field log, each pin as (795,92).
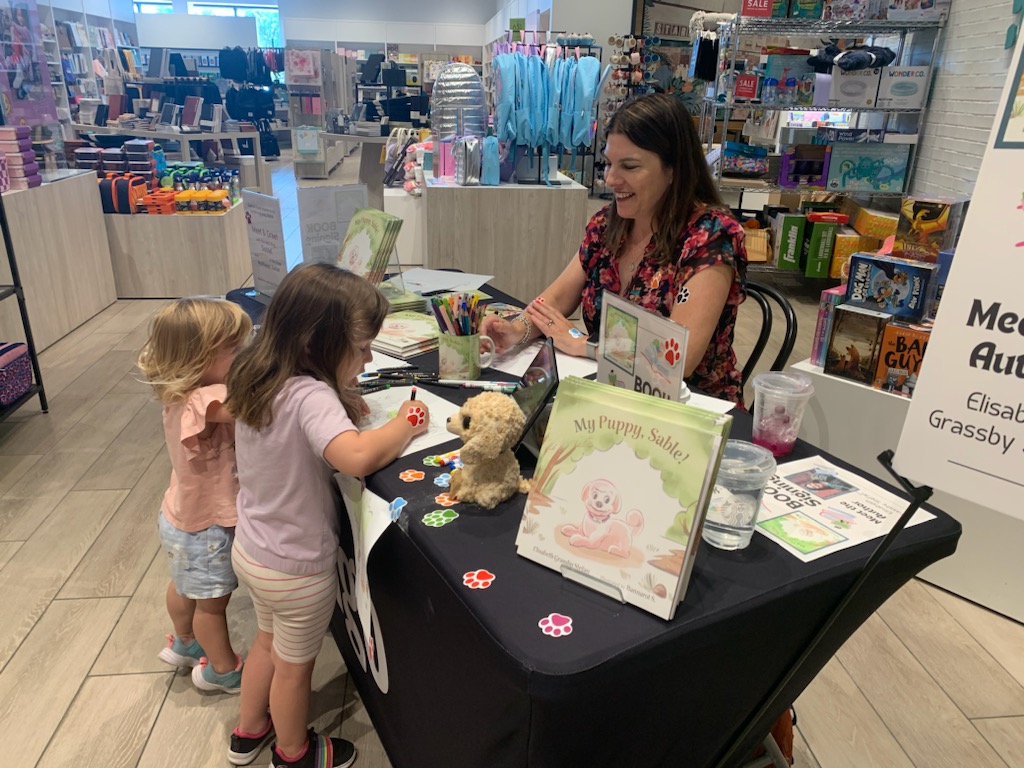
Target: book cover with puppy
(620,492)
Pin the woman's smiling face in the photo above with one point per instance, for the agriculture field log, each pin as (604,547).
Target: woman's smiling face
(637,177)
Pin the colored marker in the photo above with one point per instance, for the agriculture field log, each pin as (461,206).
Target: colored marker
(413,396)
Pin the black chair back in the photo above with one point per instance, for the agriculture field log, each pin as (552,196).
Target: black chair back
(761,294)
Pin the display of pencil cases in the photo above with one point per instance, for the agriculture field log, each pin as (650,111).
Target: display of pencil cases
(16,145)
(15,132)
(15,371)
(740,159)
(467,161)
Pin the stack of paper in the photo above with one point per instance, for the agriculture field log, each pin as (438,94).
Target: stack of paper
(368,244)
(406,334)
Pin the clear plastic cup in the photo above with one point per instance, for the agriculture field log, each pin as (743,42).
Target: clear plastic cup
(732,514)
(779,402)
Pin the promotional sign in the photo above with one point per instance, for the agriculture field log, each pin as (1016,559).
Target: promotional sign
(324,215)
(26,97)
(266,241)
(757,8)
(965,430)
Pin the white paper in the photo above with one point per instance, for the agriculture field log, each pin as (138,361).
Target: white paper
(812,508)
(385,404)
(370,516)
(516,363)
(380,360)
(421,280)
(710,403)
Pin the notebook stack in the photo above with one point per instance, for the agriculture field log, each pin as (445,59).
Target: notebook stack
(139,156)
(406,334)
(16,145)
(369,242)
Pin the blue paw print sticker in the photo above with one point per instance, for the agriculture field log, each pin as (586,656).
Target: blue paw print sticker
(443,481)
(396,507)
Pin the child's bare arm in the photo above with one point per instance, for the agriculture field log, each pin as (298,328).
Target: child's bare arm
(362,453)
(216,413)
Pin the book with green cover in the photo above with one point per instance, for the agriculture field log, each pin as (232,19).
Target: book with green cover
(406,334)
(622,485)
(369,241)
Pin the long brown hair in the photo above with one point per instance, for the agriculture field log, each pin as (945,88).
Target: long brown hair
(318,317)
(660,123)
(185,339)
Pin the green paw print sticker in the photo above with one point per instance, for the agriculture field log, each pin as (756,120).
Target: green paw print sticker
(439,517)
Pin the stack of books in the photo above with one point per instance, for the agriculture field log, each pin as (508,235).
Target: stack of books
(366,128)
(369,242)
(401,299)
(406,334)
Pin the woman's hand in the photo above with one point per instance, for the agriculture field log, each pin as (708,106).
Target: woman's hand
(416,414)
(553,324)
(505,334)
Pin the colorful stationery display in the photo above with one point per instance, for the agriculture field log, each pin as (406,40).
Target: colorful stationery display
(621,489)
(369,241)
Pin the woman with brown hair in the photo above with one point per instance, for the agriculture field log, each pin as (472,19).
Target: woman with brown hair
(666,243)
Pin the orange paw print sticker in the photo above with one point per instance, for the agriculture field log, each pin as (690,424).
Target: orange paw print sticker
(672,355)
(445,500)
(480,579)
(411,476)
(416,416)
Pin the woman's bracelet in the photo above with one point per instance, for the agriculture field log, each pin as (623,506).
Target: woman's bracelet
(527,329)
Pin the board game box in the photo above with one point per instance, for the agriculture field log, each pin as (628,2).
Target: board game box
(855,343)
(894,286)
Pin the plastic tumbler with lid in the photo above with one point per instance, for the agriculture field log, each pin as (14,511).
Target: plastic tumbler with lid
(779,402)
(732,514)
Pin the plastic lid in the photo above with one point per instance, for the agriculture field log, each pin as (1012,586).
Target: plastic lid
(787,384)
(743,460)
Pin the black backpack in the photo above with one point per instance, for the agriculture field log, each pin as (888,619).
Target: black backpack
(268,141)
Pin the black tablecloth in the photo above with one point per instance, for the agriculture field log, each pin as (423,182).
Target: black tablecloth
(465,678)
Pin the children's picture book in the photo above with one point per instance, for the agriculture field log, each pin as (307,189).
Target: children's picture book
(854,343)
(812,508)
(640,350)
(830,299)
(406,334)
(895,286)
(369,241)
(899,362)
(620,492)
(384,406)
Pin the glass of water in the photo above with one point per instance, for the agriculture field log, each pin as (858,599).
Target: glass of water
(745,470)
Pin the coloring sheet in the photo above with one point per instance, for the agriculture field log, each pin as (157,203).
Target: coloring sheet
(384,406)
(516,363)
(380,360)
(812,508)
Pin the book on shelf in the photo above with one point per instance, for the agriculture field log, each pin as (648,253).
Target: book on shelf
(369,242)
(406,334)
(620,492)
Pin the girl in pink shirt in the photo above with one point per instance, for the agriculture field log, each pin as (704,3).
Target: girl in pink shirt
(191,346)
(294,394)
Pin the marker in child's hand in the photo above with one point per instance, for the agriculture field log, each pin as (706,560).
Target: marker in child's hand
(413,397)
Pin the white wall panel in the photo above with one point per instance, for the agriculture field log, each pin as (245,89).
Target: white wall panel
(172,30)
(398,32)
(459,34)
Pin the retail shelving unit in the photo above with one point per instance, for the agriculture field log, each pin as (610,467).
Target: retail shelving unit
(329,89)
(715,110)
(15,290)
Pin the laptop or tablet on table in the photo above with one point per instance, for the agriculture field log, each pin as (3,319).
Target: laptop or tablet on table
(536,389)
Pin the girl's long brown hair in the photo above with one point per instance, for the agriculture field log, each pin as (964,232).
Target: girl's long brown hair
(660,123)
(319,316)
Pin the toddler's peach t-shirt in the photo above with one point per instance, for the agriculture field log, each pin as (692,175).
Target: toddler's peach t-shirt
(204,479)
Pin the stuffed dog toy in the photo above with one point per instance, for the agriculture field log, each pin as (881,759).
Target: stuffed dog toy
(489,425)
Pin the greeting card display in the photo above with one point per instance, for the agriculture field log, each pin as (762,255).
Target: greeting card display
(640,350)
(620,492)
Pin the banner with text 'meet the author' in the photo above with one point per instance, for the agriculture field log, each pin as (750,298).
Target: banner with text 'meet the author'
(964,433)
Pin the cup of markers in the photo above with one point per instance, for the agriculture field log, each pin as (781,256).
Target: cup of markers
(462,350)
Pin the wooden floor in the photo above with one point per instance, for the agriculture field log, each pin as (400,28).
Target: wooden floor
(929,681)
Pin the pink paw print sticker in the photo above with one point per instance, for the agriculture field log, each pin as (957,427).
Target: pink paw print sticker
(671,352)
(445,500)
(416,416)
(480,579)
(556,625)
(411,475)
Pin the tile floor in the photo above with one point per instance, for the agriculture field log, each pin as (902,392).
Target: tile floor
(929,681)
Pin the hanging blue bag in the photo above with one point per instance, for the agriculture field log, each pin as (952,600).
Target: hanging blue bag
(588,76)
(490,173)
(505,76)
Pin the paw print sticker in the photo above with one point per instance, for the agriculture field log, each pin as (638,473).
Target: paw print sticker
(480,579)
(443,480)
(416,416)
(556,625)
(439,517)
(445,500)
(671,352)
(432,461)
(683,296)
(395,508)
(412,475)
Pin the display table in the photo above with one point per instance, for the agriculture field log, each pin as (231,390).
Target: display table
(523,234)
(158,257)
(63,256)
(264,181)
(987,568)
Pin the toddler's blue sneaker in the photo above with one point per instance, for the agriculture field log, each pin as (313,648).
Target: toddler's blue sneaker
(206,678)
(177,654)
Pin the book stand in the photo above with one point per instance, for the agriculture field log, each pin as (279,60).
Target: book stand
(918,496)
(393,286)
